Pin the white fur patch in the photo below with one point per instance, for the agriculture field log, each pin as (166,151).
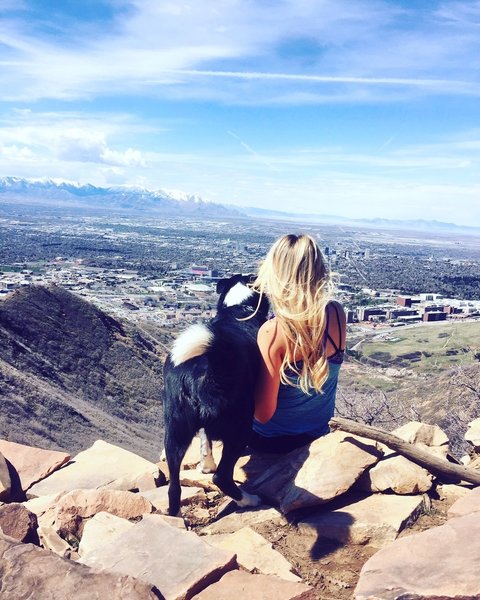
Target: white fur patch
(194,341)
(248,500)
(238,294)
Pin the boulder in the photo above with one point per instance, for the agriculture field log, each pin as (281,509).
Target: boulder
(18,522)
(469,503)
(50,540)
(101,529)
(101,465)
(239,584)
(73,508)
(32,464)
(472,435)
(375,520)
(195,478)
(398,474)
(31,572)
(240,519)
(179,563)
(416,432)
(44,507)
(159,497)
(5,481)
(433,564)
(450,492)
(255,553)
(317,473)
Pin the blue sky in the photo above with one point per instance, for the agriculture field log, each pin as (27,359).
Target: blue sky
(359,108)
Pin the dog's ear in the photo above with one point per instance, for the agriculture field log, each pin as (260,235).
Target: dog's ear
(249,277)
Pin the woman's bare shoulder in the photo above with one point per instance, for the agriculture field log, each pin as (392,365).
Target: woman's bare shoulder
(271,334)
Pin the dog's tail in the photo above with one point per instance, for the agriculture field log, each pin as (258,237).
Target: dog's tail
(193,342)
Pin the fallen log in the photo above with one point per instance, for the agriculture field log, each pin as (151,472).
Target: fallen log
(434,464)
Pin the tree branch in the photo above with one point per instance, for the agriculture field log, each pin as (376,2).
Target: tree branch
(434,464)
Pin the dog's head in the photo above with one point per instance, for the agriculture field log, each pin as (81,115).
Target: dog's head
(234,291)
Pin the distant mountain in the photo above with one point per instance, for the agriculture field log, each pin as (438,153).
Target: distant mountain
(50,192)
(405,224)
(70,374)
(140,201)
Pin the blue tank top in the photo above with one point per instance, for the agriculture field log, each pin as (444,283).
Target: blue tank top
(298,413)
(301,413)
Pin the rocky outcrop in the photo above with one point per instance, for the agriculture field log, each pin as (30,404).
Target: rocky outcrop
(429,565)
(100,466)
(111,533)
(30,572)
(314,475)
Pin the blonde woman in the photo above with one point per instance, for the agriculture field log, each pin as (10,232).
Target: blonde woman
(302,347)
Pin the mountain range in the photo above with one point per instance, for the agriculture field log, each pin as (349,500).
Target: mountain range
(141,201)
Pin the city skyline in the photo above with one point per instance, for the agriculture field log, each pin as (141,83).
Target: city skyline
(365,110)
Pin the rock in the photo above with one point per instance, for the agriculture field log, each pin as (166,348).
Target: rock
(472,434)
(237,520)
(32,464)
(451,492)
(375,520)
(44,507)
(50,540)
(255,553)
(5,481)
(239,584)
(317,473)
(99,466)
(18,522)
(159,497)
(194,477)
(101,529)
(145,482)
(437,563)
(73,508)
(470,503)
(416,432)
(173,521)
(397,473)
(191,460)
(31,572)
(179,563)
(475,463)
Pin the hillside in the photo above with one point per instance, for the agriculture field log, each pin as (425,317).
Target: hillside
(70,374)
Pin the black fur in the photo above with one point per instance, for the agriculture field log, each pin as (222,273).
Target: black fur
(214,391)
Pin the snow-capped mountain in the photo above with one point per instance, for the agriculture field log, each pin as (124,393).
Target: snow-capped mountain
(52,192)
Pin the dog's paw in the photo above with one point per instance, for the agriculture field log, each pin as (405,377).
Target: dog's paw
(248,500)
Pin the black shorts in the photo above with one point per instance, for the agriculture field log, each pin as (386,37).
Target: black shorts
(280,444)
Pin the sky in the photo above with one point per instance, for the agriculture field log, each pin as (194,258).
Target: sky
(356,108)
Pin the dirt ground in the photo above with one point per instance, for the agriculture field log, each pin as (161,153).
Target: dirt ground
(330,567)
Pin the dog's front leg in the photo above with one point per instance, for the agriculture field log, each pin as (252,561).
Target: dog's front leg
(207,464)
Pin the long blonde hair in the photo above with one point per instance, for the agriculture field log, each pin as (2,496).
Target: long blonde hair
(299,285)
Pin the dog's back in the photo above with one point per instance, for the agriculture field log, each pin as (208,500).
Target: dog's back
(210,377)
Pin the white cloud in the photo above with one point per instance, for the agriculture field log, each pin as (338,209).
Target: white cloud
(169,49)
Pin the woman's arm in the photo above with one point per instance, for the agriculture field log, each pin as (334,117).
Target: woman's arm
(271,344)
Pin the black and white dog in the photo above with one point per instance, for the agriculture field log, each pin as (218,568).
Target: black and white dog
(210,376)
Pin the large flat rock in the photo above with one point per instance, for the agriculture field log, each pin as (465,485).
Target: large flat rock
(179,563)
(242,585)
(255,553)
(317,473)
(375,520)
(239,519)
(32,464)
(159,496)
(469,503)
(99,466)
(440,563)
(27,571)
(100,530)
(75,507)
